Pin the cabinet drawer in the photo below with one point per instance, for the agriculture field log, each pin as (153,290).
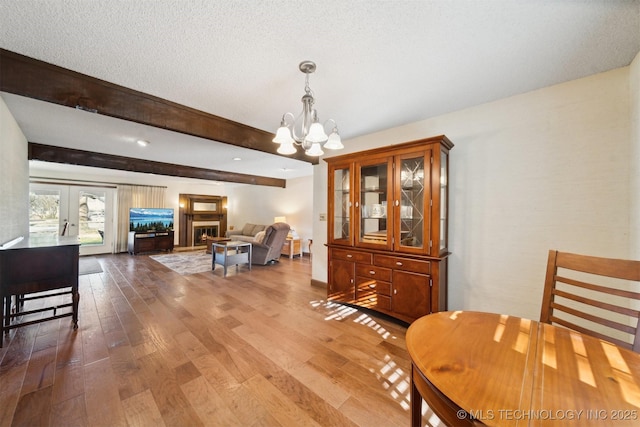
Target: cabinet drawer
(405,264)
(377,286)
(373,300)
(361,257)
(373,272)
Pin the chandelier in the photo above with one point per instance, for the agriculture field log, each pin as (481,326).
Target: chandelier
(306,129)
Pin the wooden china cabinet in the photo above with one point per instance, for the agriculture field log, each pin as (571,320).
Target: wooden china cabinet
(387,228)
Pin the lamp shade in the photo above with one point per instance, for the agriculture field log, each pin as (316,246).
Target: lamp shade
(283,136)
(316,134)
(334,142)
(286,148)
(315,150)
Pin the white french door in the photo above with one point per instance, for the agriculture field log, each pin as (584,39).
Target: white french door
(73,210)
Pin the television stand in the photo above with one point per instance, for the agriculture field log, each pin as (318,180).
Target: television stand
(149,241)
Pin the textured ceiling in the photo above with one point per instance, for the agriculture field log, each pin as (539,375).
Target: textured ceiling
(380,63)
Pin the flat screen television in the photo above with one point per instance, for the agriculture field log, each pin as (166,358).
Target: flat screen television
(150,219)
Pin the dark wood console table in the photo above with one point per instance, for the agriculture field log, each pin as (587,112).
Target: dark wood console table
(150,241)
(34,265)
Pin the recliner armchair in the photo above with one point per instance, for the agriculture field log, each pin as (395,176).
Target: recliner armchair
(271,246)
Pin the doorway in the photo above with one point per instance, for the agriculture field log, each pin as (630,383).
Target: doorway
(73,210)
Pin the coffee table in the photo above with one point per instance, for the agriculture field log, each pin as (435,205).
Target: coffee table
(230,253)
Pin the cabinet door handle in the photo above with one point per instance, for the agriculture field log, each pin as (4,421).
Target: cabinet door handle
(372,272)
(357,204)
(351,281)
(398,263)
(397,202)
(372,286)
(395,292)
(349,256)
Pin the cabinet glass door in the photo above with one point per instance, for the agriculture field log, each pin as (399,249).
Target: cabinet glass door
(374,188)
(413,197)
(444,202)
(341,216)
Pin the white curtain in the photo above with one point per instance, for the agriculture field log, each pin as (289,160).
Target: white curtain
(135,196)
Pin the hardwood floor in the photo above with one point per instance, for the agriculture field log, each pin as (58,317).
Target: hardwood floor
(257,348)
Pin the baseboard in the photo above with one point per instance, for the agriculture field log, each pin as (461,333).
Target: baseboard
(318,284)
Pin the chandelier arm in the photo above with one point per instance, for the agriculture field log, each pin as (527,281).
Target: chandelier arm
(335,125)
(284,119)
(291,124)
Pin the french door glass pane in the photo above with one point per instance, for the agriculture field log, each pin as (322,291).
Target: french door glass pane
(91,205)
(44,214)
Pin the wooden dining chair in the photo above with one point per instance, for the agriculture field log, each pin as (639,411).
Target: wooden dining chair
(596,296)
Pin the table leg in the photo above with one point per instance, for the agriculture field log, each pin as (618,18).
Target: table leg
(7,309)
(416,403)
(76,300)
(226,257)
(3,310)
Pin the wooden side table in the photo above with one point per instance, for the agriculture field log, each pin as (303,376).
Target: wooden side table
(292,247)
(231,253)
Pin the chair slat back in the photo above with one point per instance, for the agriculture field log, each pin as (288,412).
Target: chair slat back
(593,295)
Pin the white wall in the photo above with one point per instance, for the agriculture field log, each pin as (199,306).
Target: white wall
(543,170)
(634,158)
(260,205)
(319,251)
(14,178)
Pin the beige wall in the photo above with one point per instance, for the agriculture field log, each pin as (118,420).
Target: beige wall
(544,170)
(634,195)
(14,178)
(260,205)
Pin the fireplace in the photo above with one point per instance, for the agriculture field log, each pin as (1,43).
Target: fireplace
(201,216)
(203,229)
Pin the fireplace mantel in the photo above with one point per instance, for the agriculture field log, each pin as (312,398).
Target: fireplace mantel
(200,208)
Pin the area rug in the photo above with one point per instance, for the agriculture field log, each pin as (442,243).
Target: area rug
(185,262)
(88,265)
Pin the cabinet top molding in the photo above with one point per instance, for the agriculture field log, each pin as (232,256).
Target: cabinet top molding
(441,139)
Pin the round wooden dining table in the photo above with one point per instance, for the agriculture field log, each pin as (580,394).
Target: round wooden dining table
(476,368)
